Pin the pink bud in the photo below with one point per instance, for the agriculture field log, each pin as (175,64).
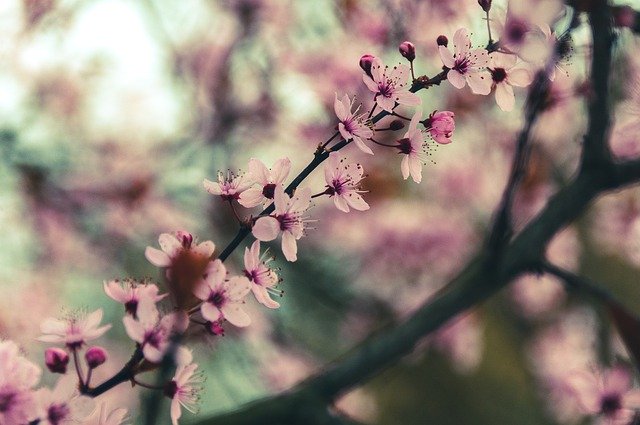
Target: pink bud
(441,126)
(185,238)
(485,5)
(56,360)
(95,356)
(215,328)
(365,63)
(442,41)
(624,16)
(408,50)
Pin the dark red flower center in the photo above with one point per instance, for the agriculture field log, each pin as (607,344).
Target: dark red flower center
(269,190)
(498,74)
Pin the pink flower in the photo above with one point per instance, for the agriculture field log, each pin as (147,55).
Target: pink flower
(466,66)
(390,85)
(261,276)
(505,76)
(74,331)
(153,333)
(440,126)
(287,218)
(352,126)
(17,378)
(104,416)
(412,146)
(343,182)
(222,297)
(62,405)
(608,394)
(131,293)
(173,245)
(183,390)
(229,186)
(266,179)
(526,28)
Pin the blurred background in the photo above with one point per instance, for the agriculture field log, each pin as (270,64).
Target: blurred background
(112,112)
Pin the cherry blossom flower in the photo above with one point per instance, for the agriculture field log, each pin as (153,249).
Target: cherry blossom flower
(131,293)
(390,85)
(412,146)
(104,416)
(287,218)
(153,333)
(505,76)
(173,244)
(228,187)
(440,126)
(608,394)
(73,331)
(466,66)
(351,125)
(525,28)
(263,278)
(183,390)
(343,182)
(62,405)
(266,179)
(222,297)
(18,376)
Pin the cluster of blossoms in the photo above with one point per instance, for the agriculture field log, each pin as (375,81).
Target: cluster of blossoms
(203,293)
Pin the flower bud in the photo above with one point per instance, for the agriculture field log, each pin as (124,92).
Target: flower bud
(185,238)
(623,16)
(408,50)
(95,356)
(396,125)
(442,41)
(215,328)
(56,360)
(365,63)
(485,5)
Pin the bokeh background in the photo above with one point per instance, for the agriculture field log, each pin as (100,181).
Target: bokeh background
(112,112)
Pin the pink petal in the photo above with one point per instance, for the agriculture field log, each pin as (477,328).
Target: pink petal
(456,79)
(289,246)
(357,202)
(404,166)
(280,170)
(204,249)
(262,296)
(281,200)
(239,287)
(520,77)
(339,109)
(362,146)
(115,291)
(461,41)
(236,316)
(340,203)
(134,329)
(505,97)
(212,187)
(386,103)
(210,312)
(251,197)
(169,244)
(258,171)
(156,257)
(407,98)
(480,82)
(415,166)
(447,57)
(301,200)
(202,290)
(371,85)
(266,229)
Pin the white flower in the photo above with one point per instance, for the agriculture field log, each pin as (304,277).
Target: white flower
(505,75)
(412,146)
(73,331)
(390,85)
(287,218)
(343,182)
(351,125)
(466,66)
(263,279)
(174,244)
(266,181)
(222,297)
